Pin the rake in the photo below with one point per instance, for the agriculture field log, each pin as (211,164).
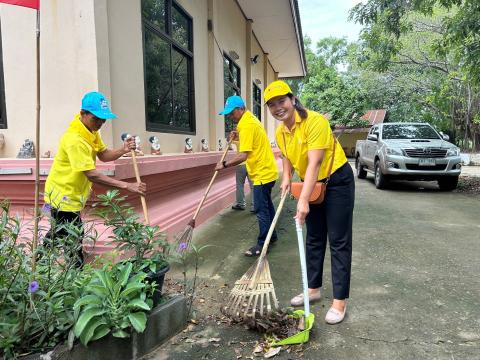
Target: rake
(254,293)
(186,235)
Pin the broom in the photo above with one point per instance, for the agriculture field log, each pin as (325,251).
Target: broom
(137,177)
(185,236)
(254,292)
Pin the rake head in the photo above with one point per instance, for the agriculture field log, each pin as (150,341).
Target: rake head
(252,297)
(184,238)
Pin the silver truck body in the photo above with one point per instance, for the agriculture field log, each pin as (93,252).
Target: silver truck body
(408,151)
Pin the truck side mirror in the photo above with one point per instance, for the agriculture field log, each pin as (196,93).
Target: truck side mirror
(372,137)
(445,137)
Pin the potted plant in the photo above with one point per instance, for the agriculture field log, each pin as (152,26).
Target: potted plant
(145,245)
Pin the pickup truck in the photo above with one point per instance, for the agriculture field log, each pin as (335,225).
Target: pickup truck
(408,151)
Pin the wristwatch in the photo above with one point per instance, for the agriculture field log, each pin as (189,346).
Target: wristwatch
(224,163)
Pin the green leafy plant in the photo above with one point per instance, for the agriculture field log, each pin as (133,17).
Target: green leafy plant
(36,308)
(113,301)
(146,244)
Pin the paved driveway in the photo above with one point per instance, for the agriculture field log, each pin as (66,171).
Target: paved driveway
(415,280)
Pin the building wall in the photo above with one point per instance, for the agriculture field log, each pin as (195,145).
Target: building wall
(68,69)
(97,45)
(349,141)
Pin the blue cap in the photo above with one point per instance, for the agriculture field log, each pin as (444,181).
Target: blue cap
(97,104)
(232,103)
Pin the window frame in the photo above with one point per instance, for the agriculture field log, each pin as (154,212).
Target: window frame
(231,84)
(174,45)
(3,109)
(256,88)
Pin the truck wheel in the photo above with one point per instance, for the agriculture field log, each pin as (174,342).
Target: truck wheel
(361,172)
(448,183)
(380,179)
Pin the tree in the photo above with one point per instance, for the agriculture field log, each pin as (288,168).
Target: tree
(416,49)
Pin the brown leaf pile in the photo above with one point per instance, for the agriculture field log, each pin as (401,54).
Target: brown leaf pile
(278,324)
(468,185)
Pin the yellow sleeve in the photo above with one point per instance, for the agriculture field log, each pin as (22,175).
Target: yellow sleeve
(101,145)
(246,135)
(318,133)
(80,156)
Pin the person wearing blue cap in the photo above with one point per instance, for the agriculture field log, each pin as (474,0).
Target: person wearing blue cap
(73,171)
(254,148)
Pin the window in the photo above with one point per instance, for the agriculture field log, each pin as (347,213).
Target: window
(168,64)
(3,112)
(231,74)
(257,102)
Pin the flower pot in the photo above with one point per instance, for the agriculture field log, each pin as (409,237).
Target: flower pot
(157,277)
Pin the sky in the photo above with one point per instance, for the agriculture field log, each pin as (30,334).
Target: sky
(324,18)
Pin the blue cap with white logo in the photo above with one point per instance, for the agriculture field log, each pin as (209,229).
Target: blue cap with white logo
(96,103)
(232,103)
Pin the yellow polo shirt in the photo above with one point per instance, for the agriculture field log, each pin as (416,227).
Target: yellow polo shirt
(312,133)
(261,165)
(67,188)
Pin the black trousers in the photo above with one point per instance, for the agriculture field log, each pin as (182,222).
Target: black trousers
(332,219)
(60,218)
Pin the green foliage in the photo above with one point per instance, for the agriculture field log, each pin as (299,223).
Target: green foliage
(147,243)
(460,30)
(113,301)
(36,309)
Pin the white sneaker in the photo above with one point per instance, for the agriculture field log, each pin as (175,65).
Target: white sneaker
(335,316)
(298,300)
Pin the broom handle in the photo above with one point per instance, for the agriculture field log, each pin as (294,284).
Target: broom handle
(267,241)
(303,265)
(142,198)
(211,182)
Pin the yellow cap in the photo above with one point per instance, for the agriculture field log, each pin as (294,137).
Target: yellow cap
(276,88)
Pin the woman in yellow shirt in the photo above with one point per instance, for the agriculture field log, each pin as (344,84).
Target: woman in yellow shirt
(307,145)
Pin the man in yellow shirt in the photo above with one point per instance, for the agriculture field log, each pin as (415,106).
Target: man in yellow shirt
(73,170)
(256,151)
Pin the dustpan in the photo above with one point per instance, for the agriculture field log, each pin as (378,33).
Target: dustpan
(304,335)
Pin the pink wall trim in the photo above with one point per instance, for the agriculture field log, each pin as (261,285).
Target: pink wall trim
(175,185)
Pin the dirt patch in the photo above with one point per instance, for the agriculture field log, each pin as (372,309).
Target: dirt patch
(468,185)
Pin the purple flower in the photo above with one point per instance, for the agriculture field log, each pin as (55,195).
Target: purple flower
(47,208)
(182,247)
(65,198)
(33,287)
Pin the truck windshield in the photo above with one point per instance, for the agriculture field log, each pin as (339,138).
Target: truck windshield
(409,132)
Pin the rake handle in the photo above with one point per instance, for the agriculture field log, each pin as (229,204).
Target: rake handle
(267,241)
(137,176)
(210,184)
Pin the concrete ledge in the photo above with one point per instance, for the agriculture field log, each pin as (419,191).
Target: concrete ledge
(175,185)
(165,321)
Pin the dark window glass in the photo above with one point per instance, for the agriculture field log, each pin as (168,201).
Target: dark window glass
(409,132)
(3,112)
(168,68)
(257,101)
(155,12)
(181,27)
(231,86)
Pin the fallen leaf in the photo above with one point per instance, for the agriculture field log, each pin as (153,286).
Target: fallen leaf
(189,341)
(201,300)
(258,349)
(193,321)
(238,353)
(272,352)
(214,339)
